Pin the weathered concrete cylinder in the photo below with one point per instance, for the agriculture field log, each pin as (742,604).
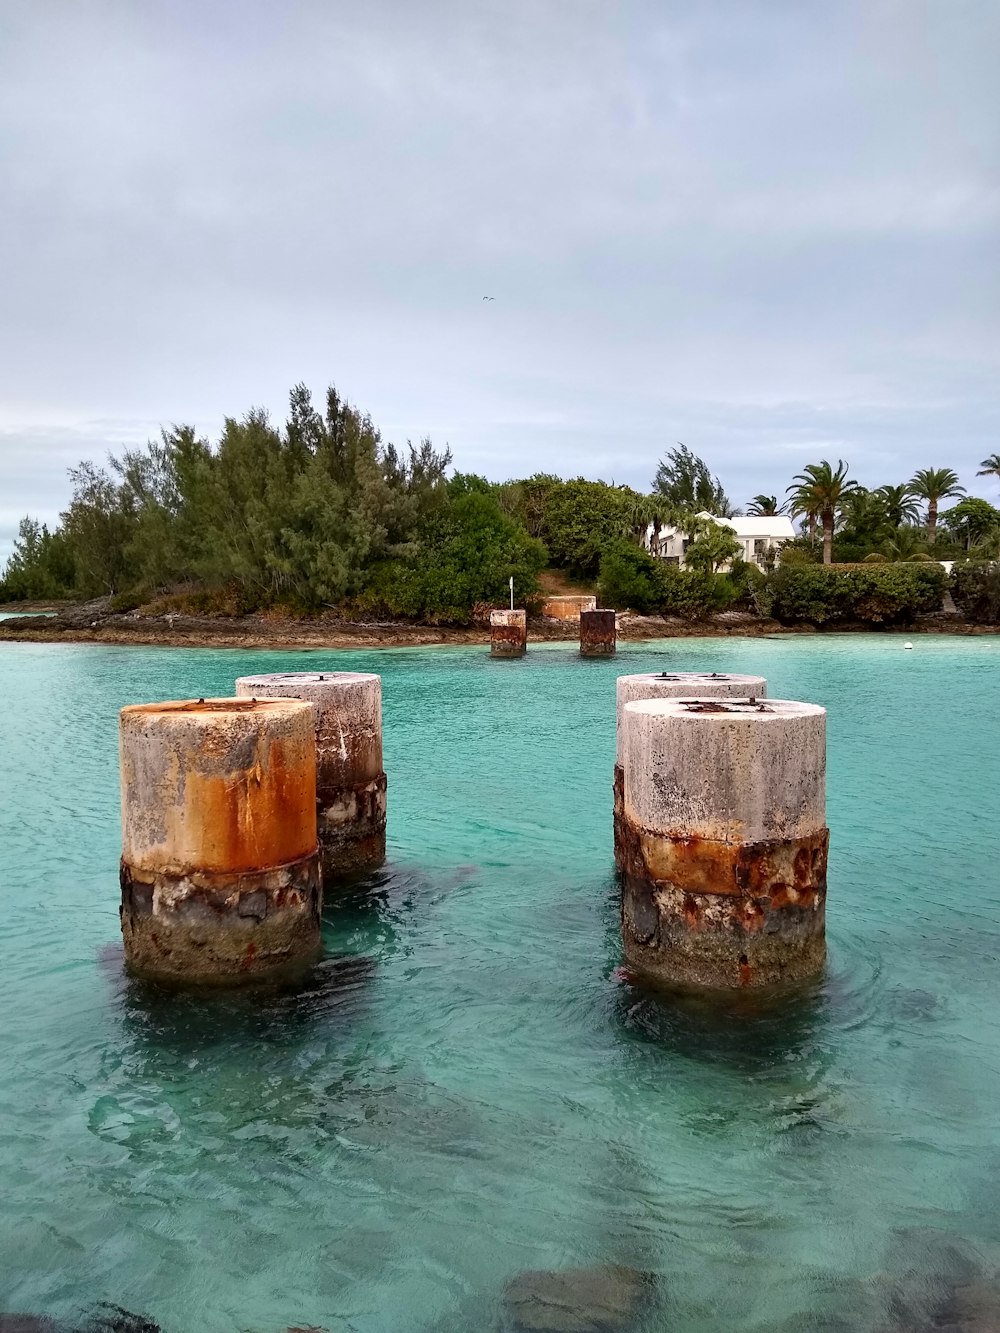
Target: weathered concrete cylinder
(724,841)
(220,873)
(598,635)
(673,685)
(508,633)
(350,782)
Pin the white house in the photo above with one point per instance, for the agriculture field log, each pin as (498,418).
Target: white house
(756,535)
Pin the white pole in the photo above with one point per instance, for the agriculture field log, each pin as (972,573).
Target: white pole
(512,592)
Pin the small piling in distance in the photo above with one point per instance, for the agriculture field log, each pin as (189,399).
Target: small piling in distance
(220,875)
(671,685)
(508,633)
(350,782)
(598,634)
(724,841)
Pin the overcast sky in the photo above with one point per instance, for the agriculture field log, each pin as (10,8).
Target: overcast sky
(767,228)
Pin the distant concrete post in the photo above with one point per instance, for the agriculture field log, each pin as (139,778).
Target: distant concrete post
(598,634)
(508,633)
(220,874)
(724,841)
(351,783)
(672,685)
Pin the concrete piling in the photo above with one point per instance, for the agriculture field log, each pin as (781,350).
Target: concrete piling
(598,634)
(220,873)
(351,782)
(508,633)
(672,685)
(724,841)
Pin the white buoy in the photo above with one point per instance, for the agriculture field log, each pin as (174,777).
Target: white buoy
(907,645)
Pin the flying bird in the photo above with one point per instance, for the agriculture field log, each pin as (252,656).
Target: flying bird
(489,298)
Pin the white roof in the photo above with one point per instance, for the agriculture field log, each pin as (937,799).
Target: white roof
(765,525)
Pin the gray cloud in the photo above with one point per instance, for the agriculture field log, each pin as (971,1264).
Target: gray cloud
(767,229)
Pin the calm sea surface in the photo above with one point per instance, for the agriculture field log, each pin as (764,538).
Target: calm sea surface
(465,1089)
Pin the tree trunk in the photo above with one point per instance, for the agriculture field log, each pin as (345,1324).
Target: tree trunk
(828,538)
(931,521)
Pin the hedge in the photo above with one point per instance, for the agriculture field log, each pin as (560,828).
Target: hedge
(976,590)
(881,594)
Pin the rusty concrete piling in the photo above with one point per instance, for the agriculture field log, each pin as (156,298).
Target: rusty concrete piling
(598,634)
(724,841)
(672,685)
(220,873)
(351,782)
(508,633)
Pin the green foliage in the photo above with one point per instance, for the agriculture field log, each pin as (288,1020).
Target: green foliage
(714,547)
(764,504)
(819,492)
(882,594)
(875,558)
(464,561)
(800,551)
(971,521)
(976,589)
(298,516)
(934,484)
(630,579)
(684,481)
(40,565)
(580,519)
(748,583)
(691,593)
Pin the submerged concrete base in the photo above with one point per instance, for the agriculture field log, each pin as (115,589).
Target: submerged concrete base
(723,915)
(351,824)
(211,928)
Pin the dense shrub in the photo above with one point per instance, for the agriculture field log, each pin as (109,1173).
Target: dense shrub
(976,590)
(466,559)
(630,578)
(581,519)
(748,583)
(693,593)
(799,552)
(882,594)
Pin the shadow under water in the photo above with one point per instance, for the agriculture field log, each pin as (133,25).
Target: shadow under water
(189,1019)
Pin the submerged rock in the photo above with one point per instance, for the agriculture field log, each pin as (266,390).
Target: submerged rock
(113,1319)
(26,1323)
(578,1300)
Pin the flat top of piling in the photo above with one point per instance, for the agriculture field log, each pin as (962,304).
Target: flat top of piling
(307,678)
(207,708)
(693,677)
(749,709)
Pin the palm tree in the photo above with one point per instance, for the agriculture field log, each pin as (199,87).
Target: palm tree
(819,489)
(900,504)
(803,504)
(933,484)
(905,543)
(762,505)
(990,467)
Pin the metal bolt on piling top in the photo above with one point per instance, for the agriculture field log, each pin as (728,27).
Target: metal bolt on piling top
(220,875)
(598,633)
(724,841)
(508,633)
(672,685)
(351,782)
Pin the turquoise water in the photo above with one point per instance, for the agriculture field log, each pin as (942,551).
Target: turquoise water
(466,1089)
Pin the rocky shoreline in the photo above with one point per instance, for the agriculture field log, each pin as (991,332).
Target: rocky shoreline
(92,622)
